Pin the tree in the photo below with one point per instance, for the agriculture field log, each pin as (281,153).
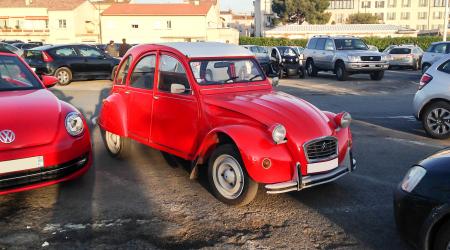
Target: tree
(363,18)
(298,11)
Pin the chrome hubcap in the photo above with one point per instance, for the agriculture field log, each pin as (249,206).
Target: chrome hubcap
(63,76)
(113,142)
(439,121)
(228,177)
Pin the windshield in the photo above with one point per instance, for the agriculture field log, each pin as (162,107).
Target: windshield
(14,75)
(350,44)
(289,52)
(9,47)
(210,72)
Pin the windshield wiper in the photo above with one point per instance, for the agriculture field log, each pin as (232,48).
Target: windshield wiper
(251,79)
(231,79)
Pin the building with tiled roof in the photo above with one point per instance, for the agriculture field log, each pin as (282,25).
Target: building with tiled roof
(191,20)
(295,31)
(49,21)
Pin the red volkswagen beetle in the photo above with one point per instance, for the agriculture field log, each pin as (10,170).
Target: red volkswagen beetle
(210,103)
(43,141)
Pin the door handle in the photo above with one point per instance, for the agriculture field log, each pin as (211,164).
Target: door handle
(127,92)
(155,97)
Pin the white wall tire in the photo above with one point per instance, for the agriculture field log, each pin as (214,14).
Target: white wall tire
(117,146)
(228,178)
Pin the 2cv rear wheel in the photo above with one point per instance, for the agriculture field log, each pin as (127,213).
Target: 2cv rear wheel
(228,178)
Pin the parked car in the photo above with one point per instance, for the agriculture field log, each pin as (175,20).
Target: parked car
(262,56)
(422,203)
(11,41)
(25,46)
(373,48)
(71,62)
(43,141)
(432,101)
(285,61)
(343,56)
(4,47)
(435,52)
(404,56)
(211,104)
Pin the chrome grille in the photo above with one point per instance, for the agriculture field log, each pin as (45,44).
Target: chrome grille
(321,149)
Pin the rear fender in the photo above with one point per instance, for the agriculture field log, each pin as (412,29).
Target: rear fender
(254,145)
(113,115)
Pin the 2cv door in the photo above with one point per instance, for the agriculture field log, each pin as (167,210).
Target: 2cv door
(175,121)
(140,97)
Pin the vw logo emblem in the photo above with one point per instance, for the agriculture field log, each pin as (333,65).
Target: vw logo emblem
(7,136)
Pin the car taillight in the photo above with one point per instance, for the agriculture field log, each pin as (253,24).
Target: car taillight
(426,78)
(46,57)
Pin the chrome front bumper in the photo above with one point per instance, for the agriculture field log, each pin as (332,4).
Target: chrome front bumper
(300,182)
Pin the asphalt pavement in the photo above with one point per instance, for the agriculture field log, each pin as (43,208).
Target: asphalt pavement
(149,202)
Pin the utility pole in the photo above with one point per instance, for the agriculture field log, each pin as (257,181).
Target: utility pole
(445,21)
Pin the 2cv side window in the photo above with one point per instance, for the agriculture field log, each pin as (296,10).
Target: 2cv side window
(122,72)
(143,74)
(171,71)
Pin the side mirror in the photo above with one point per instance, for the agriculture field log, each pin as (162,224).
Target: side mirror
(275,81)
(176,88)
(49,81)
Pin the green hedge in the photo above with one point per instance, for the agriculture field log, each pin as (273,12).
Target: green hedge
(423,41)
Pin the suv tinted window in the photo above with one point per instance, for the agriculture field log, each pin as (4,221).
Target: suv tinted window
(144,73)
(329,45)
(321,44)
(171,71)
(65,51)
(445,67)
(400,51)
(312,43)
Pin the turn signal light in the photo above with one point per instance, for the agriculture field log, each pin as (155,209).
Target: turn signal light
(343,119)
(266,163)
(426,78)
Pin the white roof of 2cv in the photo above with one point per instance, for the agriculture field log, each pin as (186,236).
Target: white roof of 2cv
(209,49)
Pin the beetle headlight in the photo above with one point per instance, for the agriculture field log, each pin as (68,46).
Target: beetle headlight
(353,58)
(74,124)
(412,178)
(279,134)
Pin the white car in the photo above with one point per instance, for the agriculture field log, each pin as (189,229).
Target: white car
(432,100)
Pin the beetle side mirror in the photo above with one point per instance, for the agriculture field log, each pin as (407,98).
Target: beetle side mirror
(275,81)
(49,81)
(176,88)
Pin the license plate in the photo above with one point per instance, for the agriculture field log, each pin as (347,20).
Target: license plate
(21,164)
(323,166)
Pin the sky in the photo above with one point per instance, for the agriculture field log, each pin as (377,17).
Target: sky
(235,5)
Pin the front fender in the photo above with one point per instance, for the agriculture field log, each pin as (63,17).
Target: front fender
(113,115)
(429,228)
(254,145)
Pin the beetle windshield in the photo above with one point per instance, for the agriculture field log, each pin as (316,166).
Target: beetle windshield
(14,75)
(350,44)
(210,72)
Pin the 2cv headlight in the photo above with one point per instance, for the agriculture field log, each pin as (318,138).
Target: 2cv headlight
(279,133)
(343,119)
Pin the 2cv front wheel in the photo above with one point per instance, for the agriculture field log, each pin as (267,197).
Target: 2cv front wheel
(228,177)
(117,146)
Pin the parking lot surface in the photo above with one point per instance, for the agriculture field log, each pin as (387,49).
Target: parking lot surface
(149,201)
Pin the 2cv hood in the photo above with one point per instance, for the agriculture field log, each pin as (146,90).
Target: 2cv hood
(32,115)
(302,120)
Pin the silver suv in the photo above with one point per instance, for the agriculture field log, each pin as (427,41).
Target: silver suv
(435,52)
(344,56)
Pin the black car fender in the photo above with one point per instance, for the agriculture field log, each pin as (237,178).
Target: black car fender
(431,225)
